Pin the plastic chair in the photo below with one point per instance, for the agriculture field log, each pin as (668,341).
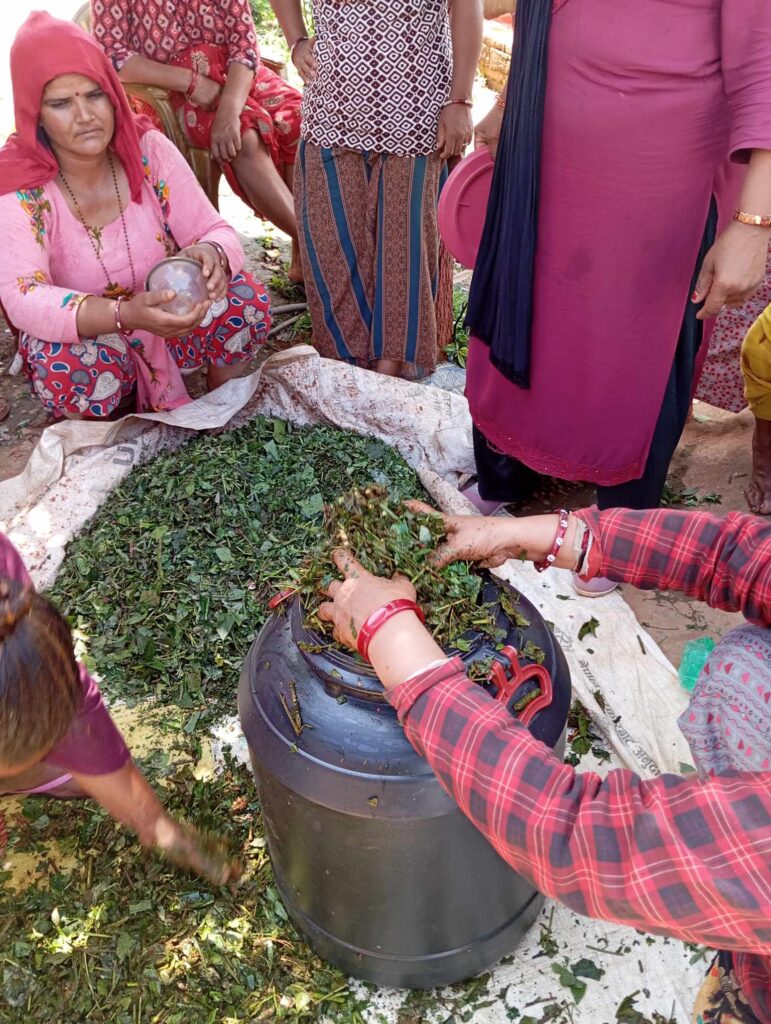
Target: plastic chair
(152,99)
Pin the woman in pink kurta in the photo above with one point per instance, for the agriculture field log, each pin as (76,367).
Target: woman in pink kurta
(643,100)
(70,283)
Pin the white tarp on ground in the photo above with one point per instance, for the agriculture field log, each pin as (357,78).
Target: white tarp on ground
(76,464)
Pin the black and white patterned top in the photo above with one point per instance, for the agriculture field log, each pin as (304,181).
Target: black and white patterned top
(384,71)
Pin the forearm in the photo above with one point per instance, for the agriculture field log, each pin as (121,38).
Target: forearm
(97,316)
(756,193)
(236,89)
(466,30)
(143,71)
(128,797)
(290,17)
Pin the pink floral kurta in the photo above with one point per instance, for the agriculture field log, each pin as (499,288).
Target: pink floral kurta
(51,266)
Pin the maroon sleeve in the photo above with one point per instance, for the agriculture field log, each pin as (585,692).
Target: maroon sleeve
(93,744)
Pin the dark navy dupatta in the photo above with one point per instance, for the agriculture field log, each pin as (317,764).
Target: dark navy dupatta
(500,310)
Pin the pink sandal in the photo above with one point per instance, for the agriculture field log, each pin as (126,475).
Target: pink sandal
(484,507)
(597,587)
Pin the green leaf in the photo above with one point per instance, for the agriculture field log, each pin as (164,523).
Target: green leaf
(224,554)
(589,628)
(192,723)
(627,1013)
(125,945)
(312,506)
(569,981)
(584,968)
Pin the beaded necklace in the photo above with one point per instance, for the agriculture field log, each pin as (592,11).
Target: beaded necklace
(113,289)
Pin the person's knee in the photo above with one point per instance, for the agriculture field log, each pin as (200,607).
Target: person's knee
(748,645)
(725,723)
(251,146)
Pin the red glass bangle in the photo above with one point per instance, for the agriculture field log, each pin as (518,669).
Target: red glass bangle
(559,540)
(379,617)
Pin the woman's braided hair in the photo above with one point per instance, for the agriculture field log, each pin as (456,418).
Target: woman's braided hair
(40,690)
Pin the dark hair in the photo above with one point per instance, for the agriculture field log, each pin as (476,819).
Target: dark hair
(40,690)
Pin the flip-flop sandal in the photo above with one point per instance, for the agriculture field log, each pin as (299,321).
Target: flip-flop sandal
(597,587)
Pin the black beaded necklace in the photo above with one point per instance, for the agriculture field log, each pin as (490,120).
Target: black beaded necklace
(113,289)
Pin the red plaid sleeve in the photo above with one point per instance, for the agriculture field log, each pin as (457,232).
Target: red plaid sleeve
(725,562)
(675,856)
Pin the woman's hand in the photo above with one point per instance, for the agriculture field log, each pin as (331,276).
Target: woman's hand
(226,134)
(304,59)
(456,130)
(488,131)
(206,93)
(207,856)
(488,541)
(127,796)
(733,269)
(357,596)
(144,313)
(491,541)
(208,256)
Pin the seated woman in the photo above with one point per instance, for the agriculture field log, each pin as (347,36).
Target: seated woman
(687,857)
(90,200)
(226,99)
(57,737)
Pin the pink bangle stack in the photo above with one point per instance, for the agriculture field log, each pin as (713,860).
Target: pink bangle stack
(559,540)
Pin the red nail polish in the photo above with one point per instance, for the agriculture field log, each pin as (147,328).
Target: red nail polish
(695,297)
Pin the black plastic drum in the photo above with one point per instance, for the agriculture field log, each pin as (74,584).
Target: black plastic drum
(374,862)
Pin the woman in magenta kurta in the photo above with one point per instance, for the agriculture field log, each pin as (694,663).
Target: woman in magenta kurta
(90,201)
(642,103)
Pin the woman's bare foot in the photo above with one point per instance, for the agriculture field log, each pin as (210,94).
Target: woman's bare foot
(295,272)
(388,367)
(758,494)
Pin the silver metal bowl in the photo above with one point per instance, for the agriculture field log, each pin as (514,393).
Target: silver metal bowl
(181,275)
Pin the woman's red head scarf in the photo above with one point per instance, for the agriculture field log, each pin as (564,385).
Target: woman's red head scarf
(43,49)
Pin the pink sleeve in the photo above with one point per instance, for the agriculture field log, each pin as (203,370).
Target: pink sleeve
(11,565)
(110,28)
(93,744)
(33,303)
(746,62)
(189,214)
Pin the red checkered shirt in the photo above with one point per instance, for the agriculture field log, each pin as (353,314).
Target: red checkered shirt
(685,857)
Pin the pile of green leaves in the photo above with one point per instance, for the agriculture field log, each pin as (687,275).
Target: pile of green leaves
(122,938)
(168,585)
(388,538)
